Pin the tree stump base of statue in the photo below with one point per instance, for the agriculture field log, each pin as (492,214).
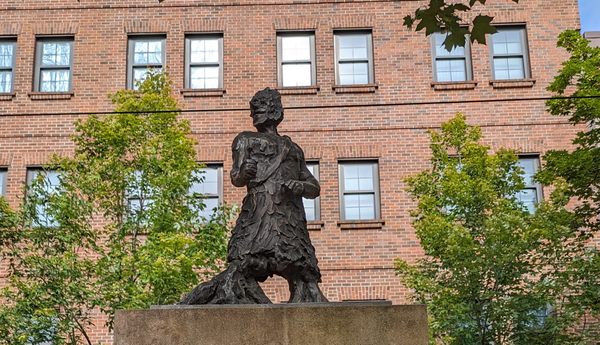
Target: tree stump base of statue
(346,323)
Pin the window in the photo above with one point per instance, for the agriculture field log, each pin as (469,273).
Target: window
(296,59)
(54,60)
(312,206)
(532,193)
(510,53)
(354,57)
(7,65)
(449,66)
(210,190)
(204,62)
(359,190)
(50,185)
(145,53)
(3,181)
(139,197)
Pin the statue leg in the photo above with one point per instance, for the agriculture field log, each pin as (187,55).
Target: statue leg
(232,286)
(304,285)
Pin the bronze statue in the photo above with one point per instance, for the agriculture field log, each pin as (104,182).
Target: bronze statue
(270,236)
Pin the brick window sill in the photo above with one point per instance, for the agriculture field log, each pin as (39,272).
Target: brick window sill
(362,88)
(203,92)
(299,90)
(361,224)
(517,83)
(454,85)
(315,224)
(50,95)
(7,96)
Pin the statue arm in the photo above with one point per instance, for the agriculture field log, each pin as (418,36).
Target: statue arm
(239,177)
(312,189)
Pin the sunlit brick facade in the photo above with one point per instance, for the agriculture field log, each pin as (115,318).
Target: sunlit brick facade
(381,117)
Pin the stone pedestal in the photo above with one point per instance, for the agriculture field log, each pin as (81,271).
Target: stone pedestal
(279,324)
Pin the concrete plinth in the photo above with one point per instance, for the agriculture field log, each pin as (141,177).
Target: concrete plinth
(279,324)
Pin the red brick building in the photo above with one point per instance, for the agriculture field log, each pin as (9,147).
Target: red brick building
(360,92)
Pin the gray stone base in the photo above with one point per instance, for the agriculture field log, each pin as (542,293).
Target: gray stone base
(278,324)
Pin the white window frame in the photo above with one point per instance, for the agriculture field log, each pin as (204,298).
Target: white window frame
(32,173)
(316,201)
(535,186)
(313,58)
(39,67)
(524,49)
(375,191)
(466,57)
(369,60)
(11,69)
(131,66)
(219,168)
(188,64)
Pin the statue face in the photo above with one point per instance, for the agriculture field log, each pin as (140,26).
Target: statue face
(259,114)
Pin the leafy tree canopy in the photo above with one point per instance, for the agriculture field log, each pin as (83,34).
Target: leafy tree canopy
(121,229)
(493,272)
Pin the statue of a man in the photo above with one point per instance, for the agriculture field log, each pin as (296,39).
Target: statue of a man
(270,236)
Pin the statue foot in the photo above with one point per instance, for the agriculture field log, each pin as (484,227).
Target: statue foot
(306,292)
(228,287)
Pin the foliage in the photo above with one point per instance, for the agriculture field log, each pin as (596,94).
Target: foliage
(125,231)
(491,268)
(444,16)
(580,77)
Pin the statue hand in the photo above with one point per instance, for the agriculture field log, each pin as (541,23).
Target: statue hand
(295,186)
(249,169)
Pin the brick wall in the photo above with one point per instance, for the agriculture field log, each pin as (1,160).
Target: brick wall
(388,123)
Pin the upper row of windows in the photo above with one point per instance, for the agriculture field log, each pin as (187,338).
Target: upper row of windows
(296,60)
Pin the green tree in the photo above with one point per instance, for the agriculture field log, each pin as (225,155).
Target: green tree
(491,268)
(579,79)
(122,230)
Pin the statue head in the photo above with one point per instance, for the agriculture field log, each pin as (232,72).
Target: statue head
(266,108)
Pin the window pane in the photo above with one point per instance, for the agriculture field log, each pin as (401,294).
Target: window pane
(508,41)
(309,208)
(530,167)
(204,50)
(209,184)
(294,48)
(147,52)
(140,74)
(56,53)
(210,204)
(358,177)
(440,50)
(51,185)
(54,80)
(529,199)
(508,68)
(296,75)
(359,206)
(5,81)
(354,73)
(6,55)
(204,77)
(2,182)
(353,46)
(451,70)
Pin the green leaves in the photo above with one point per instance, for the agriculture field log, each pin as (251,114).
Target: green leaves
(125,231)
(443,16)
(491,267)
